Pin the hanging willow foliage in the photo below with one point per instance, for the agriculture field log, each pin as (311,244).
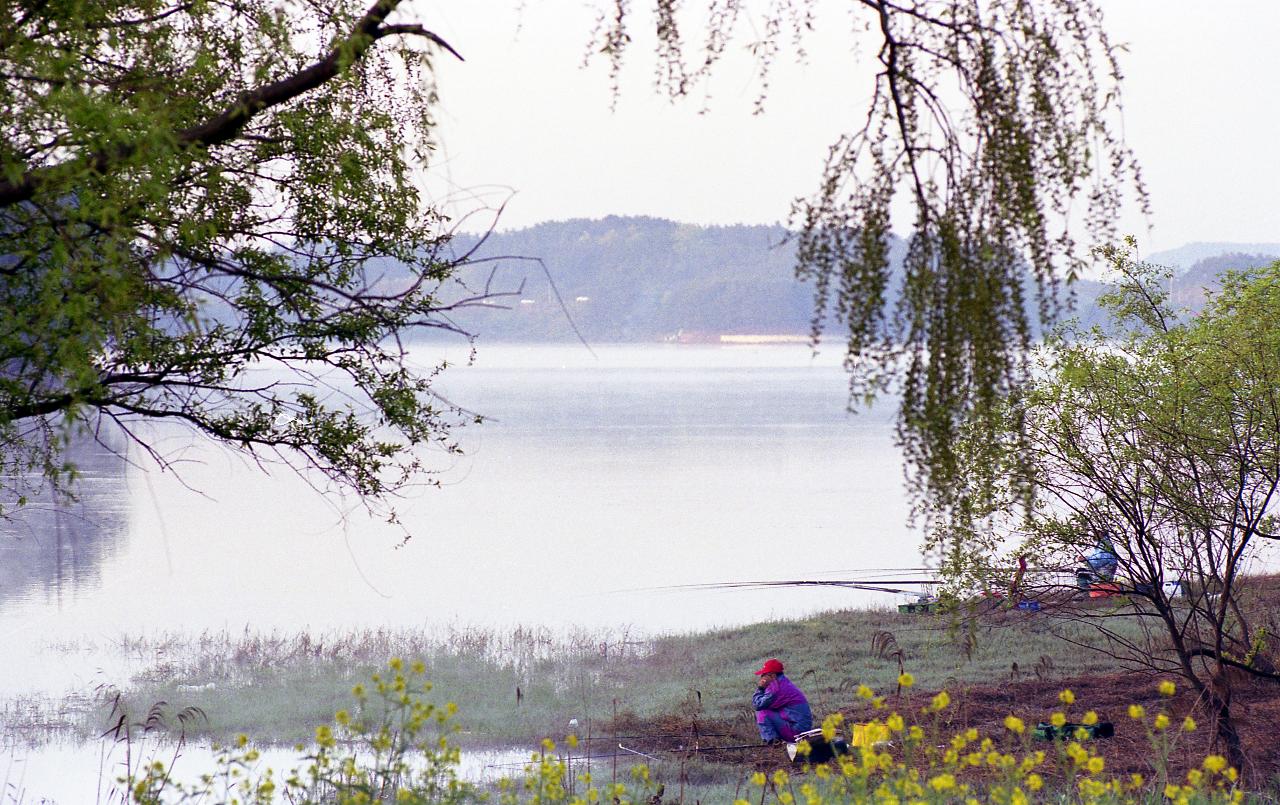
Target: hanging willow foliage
(999,121)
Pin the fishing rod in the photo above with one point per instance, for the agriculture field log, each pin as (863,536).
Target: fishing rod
(689,750)
(870,585)
(629,750)
(683,736)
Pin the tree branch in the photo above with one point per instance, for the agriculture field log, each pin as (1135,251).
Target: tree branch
(893,74)
(228,124)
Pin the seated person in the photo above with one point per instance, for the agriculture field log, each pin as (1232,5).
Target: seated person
(782,711)
(1102,561)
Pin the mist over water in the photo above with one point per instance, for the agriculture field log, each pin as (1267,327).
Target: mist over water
(596,478)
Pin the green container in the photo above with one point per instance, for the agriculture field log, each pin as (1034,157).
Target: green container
(923,608)
(1067,732)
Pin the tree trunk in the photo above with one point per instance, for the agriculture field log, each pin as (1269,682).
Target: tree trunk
(1220,705)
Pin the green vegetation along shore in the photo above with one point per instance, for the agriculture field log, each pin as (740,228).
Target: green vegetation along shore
(973,673)
(521,685)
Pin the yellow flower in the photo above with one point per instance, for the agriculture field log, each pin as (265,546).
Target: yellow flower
(1090,718)
(1166,688)
(865,692)
(1077,753)
(971,734)
(1057,719)
(780,778)
(1172,790)
(1095,765)
(1215,763)
(916,733)
(1067,697)
(1136,780)
(1195,777)
(894,722)
(943,782)
(1136,711)
(1161,721)
(324,736)
(572,740)
(940,701)
(396,664)
(906,680)
(758,778)
(1014,724)
(1035,782)
(829,725)
(419,667)
(1188,724)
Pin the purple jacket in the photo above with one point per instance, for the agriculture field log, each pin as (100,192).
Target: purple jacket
(783,696)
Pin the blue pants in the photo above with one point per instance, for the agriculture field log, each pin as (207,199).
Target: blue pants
(773,727)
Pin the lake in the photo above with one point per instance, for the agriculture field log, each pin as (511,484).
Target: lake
(600,477)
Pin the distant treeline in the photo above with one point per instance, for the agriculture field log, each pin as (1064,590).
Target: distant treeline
(647,279)
(637,279)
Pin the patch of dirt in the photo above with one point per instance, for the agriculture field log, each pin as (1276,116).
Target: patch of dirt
(1256,704)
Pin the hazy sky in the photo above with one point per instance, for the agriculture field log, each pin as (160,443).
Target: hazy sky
(522,116)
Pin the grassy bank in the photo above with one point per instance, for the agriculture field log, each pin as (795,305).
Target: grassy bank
(517,686)
(522,684)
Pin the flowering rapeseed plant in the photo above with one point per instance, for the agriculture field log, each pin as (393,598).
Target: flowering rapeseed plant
(924,763)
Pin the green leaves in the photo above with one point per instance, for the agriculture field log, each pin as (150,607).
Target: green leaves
(194,195)
(1158,436)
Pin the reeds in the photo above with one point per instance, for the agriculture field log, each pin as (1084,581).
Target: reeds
(522,683)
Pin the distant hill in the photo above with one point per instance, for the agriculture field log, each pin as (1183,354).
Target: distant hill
(638,279)
(1191,287)
(647,279)
(1184,257)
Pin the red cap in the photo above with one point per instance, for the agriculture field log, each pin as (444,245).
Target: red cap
(771,666)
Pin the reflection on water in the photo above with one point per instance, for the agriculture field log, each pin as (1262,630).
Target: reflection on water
(52,550)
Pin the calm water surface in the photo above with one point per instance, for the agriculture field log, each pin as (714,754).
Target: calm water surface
(597,478)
